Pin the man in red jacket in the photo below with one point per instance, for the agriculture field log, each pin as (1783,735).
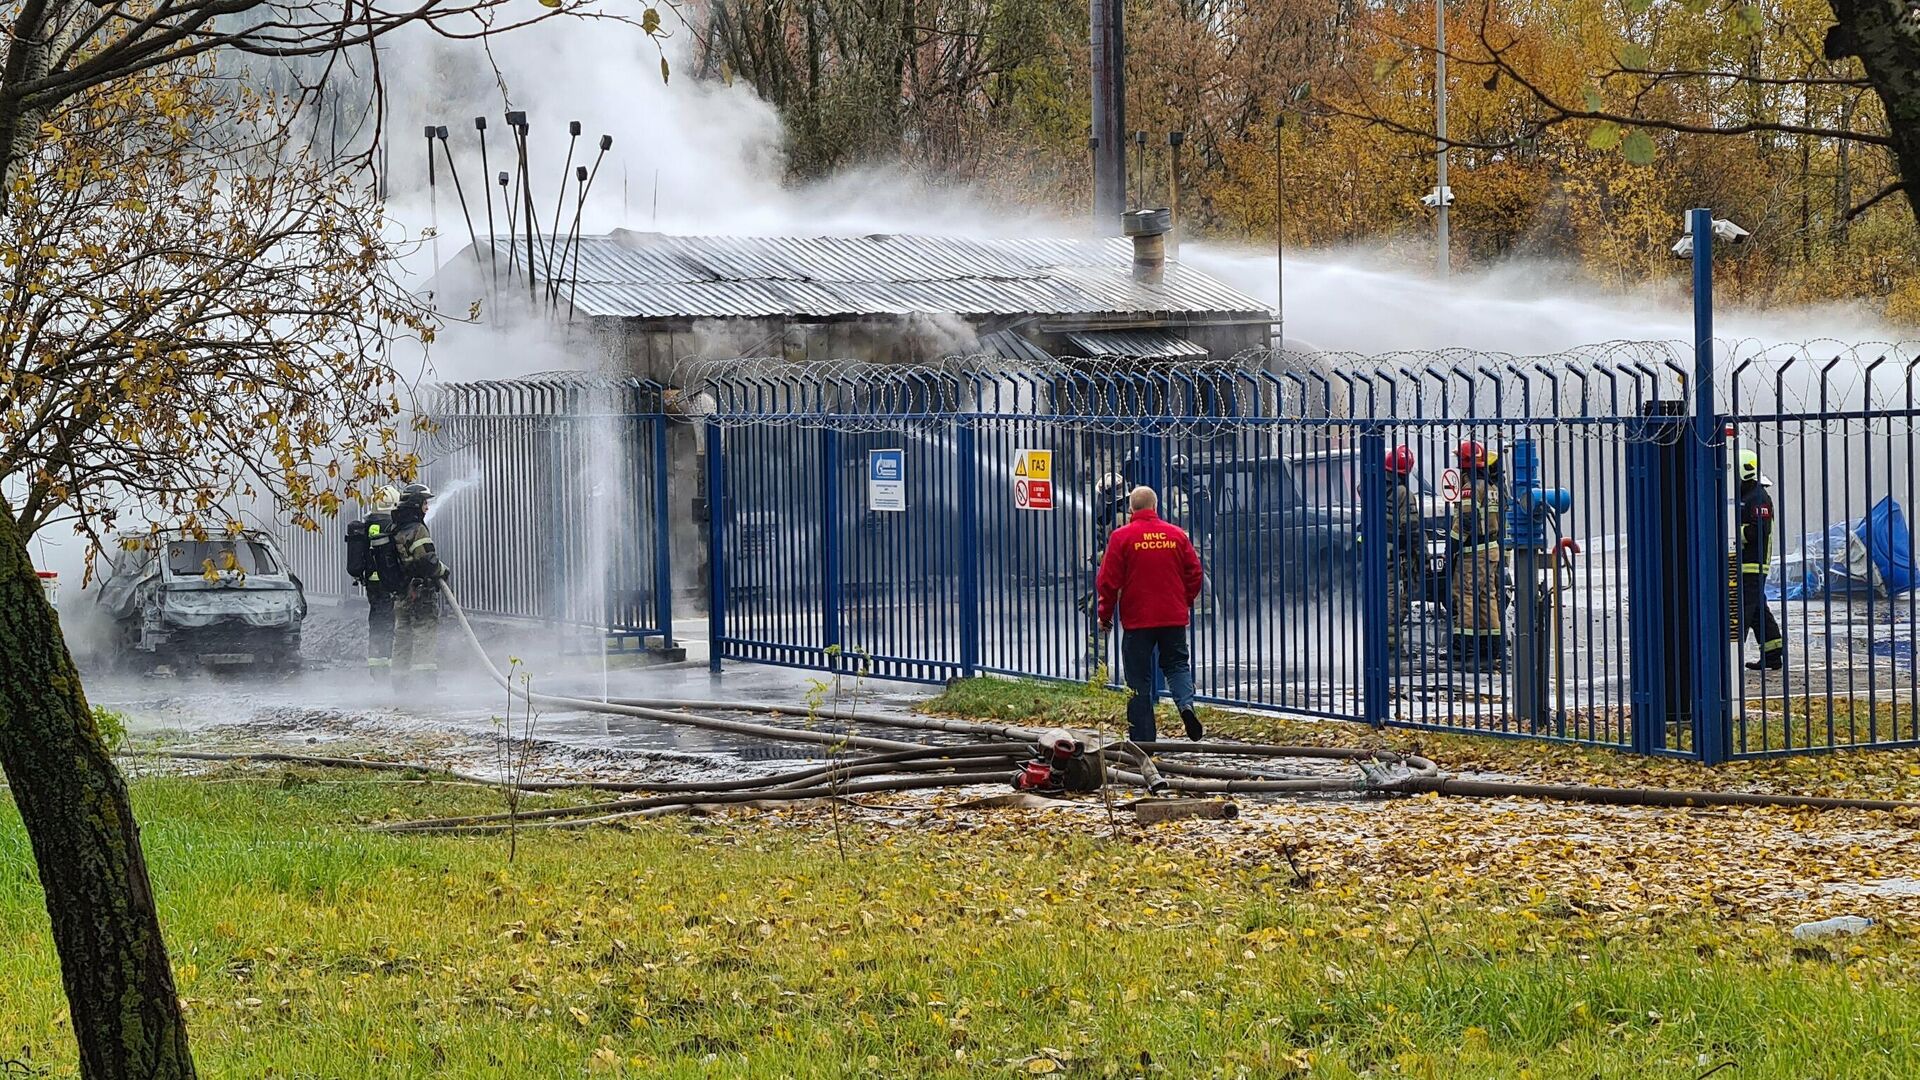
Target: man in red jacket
(1151,574)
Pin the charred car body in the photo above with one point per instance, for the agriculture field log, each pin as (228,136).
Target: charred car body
(221,601)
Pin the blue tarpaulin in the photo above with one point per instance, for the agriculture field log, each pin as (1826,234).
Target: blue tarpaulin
(1873,554)
(1889,545)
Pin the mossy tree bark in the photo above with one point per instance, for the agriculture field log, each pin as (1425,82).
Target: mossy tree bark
(119,983)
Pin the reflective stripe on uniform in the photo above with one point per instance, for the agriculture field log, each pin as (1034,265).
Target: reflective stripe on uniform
(379,661)
(425,667)
(1753,568)
(414,548)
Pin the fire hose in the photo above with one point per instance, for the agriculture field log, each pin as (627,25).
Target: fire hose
(927,766)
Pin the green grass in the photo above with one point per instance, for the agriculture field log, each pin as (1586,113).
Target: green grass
(309,947)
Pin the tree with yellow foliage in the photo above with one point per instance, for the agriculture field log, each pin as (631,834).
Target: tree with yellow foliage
(193,312)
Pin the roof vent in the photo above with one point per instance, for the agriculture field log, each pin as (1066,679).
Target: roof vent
(1149,229)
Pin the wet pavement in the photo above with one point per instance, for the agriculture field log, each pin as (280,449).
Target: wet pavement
(331,707)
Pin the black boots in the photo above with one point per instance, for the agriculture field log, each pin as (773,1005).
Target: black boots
(1194,730)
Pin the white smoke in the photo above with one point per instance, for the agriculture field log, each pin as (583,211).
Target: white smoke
(694,156)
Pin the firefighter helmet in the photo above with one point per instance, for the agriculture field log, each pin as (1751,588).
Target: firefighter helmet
(385,498)
(1749,466)
(1400,460)
(1474,456)
(415,495)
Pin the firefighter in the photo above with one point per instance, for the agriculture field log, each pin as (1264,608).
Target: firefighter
(1109,513)
(1756,559)
(417,610)
(1178,505)
(1406,543)
(1478,564)
(378,573)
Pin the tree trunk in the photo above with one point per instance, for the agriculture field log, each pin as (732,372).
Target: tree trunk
(1885,36)
(120,993)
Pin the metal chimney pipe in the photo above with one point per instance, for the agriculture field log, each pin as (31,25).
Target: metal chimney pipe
(1149,229)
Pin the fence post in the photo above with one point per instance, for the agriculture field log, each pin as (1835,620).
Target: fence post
(1707,516)
(830,564)
(662,534)
(1647,536)
(965,534)
(1375,684)
(716,546)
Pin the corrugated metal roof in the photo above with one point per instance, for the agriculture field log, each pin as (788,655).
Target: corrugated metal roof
(1135,344)
(650,275)
(1011,346)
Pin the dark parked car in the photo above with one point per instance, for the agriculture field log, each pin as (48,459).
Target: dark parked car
(218,602)
(1293,521)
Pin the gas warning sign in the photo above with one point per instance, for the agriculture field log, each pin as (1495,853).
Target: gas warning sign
(1033,479)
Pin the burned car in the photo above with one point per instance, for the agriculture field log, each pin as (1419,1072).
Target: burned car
(222,601)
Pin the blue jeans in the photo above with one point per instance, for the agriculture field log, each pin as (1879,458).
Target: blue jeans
(1137,649)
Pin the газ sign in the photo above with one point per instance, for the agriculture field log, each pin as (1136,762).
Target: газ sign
(1033,479)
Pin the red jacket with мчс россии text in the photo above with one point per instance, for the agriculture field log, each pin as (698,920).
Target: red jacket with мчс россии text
(1151,572)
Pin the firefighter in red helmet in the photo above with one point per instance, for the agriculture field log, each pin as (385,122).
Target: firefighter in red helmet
(1478,572)
(1406,545)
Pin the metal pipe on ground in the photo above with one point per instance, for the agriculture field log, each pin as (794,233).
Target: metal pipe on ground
(567,817)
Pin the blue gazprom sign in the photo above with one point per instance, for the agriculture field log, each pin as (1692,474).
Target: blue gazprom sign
(886,480)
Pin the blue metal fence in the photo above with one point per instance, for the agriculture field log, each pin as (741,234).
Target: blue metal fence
(1276,469)
(1834,437)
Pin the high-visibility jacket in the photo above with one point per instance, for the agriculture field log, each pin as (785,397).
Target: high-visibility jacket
(1151,574)
(1756,528)
(419,563)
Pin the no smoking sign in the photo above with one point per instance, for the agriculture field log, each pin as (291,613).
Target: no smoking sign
(1033,480)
